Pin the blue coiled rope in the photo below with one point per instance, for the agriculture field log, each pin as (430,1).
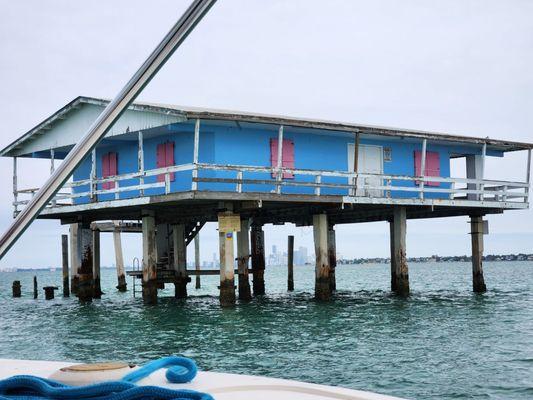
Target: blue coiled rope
(180,370)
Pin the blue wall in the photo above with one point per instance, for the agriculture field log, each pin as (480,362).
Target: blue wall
(313,149)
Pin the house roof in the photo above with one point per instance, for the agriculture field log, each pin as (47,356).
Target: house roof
(190,113)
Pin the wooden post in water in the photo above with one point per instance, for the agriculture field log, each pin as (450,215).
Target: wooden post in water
(400,271)
(243,255)
(322,268)
(476,230)
(197,259)
(180,261)
(97,289)
(35,292)
(227,271)
(16,289)
(332,256)
(290,263)
(392,258)
(85,290)
(64,260)
(258,259)
(149,281)
(75,258)
(49,292)
(122,286)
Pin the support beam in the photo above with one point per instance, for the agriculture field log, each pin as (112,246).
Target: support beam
(75,258)
(322,268)
(258,259)
(476,230)
(97,289)
(243,255)
(85,253)
(474,170)
(122,286)
(279,175)
(227,273)
(149,281)
(423,168)
(180,261)
(64,262)
(15,187)
(197,259)
(195,156)
(332,256)
(400,271)
(290,263)
(140,160)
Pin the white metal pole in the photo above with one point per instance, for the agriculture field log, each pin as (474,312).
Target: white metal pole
(482,172)
(140,161)
(93,174)
(15,188)
(280,161)
(196,148)
(106,119)
(423,168)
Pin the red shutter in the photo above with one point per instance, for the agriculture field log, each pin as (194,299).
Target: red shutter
(287,158)
(109,168)
(432,166)
(165,158)
(169,158)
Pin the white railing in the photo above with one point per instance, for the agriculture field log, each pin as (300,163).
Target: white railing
(352,184)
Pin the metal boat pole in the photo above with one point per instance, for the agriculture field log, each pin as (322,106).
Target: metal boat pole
(107,118)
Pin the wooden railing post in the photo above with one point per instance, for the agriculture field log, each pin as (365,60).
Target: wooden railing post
(194,184)
(280,161)
(423,169)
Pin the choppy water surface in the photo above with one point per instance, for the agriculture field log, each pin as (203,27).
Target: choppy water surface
(443,342)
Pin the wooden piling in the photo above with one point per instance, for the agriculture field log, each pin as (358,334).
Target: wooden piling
(122,286)
(17,289)
(180,261)
(322,268)
(49,292)
(290,263)
(243,255)
(85,291)
(257,237)
(97,289)
(476,231)
(149,281)
(332,256)
(35,288)
(75,258)
(197,259)
(227,271)
(64,259)
(400,271)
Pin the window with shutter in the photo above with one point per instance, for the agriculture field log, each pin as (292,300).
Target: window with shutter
(432,166)
(109,168)
(287,157)
(165,158)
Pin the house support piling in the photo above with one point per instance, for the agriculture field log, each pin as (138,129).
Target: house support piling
(180,261)
(75,258)
(243,254)
(16,289)
(97,289)
(332,256)
(322,267)
(119,259)
(197,259)
(85,277)
(227,272)
(149,280)
(476,231)
(399,269)
(290,263)
(258,259)
(64,260)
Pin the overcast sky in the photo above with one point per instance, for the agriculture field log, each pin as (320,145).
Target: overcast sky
(459,66)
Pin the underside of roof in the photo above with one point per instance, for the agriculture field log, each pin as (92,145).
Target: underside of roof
(166,114)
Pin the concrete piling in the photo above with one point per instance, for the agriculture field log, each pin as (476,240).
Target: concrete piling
(257,237)
(197,259)
(119,259)
(243,255)
(227,271)
(399,268)
(290,263)
(149,279)
(75,258)
(17,289)
(322,268)
(476,231)
(180,261)
(85,272)
(97,289)
(64,260)
(332,256)
(35,288)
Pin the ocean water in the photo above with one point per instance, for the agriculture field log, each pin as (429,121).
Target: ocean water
(442,342)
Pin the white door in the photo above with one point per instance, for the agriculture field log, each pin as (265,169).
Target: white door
(370,161)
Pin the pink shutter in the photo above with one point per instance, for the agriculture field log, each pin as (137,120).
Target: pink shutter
(161,160)
(113,168)
(169,158)
(287,157)
(432,166)
(105,170)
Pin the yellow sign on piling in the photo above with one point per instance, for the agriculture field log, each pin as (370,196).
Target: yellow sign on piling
(229,222)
